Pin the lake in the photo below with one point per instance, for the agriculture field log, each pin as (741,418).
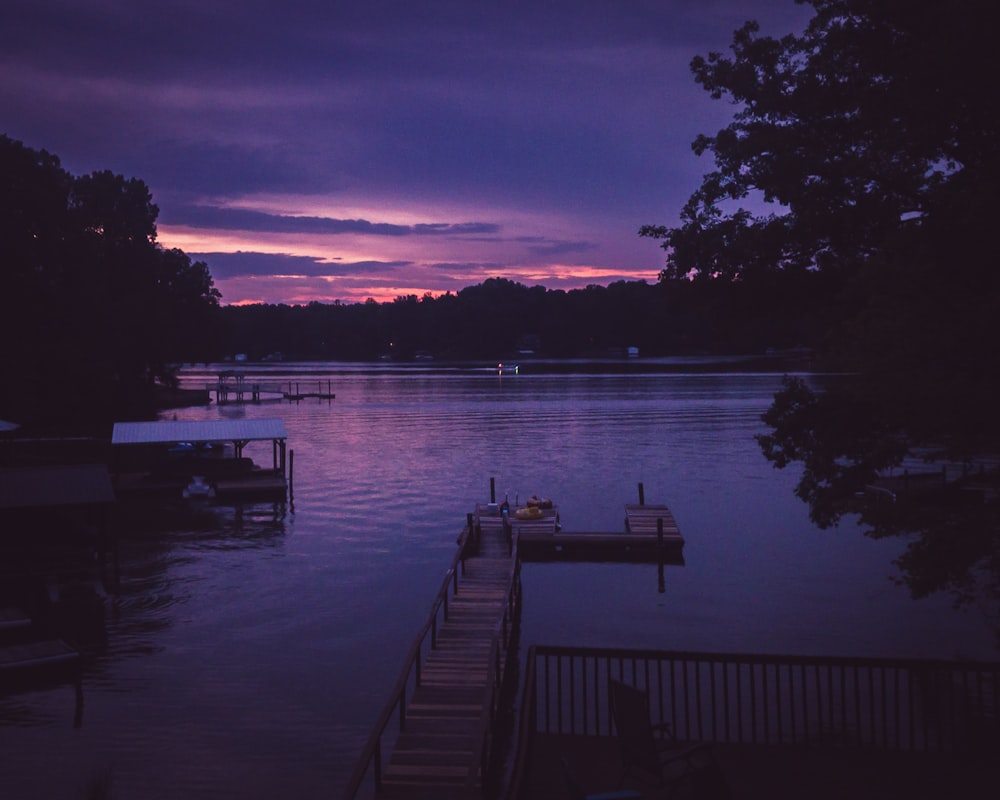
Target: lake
(250,650)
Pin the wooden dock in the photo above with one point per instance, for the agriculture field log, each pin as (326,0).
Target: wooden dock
(650,536)
(30,661)
(34,657)
(13,619)
(448,701)
(438,755)
(235,387)
(448,697)
(652,520)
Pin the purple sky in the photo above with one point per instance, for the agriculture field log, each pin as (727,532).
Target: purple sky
(324,150)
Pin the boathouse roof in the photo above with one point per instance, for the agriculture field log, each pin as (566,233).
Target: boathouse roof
(221,430)
(64,485)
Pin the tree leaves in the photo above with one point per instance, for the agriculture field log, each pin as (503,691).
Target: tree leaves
(91,306)
(870,142)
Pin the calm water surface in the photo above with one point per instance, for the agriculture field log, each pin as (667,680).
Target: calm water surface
(250,650)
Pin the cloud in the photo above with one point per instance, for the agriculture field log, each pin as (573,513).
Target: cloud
(224,266)
(382,147)
(543,247)
(241,219)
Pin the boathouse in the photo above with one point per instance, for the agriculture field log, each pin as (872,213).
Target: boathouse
(55,500)
(169,457)
(55,524)
(54,539)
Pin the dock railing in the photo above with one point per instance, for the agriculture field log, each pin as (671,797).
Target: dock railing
(895,704)
(503,657)
(370,763)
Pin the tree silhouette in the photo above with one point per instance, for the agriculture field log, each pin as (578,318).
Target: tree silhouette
(93,311)
(871,143)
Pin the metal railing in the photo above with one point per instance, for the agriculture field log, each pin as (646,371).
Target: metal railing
(892,704)
(370,762)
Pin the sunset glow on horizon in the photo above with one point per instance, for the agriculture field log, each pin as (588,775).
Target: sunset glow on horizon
(341,153)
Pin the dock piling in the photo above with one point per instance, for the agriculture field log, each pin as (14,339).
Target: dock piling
(642,495)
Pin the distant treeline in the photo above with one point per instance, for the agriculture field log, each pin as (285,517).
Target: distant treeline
(499,318)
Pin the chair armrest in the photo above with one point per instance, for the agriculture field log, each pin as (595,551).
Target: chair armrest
(664,727)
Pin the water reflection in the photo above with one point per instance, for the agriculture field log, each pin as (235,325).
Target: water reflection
(250,650)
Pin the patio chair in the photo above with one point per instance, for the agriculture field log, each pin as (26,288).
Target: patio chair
(653,749)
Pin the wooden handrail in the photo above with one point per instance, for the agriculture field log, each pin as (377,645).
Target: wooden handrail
(397,696)
(494,680)
(371,754)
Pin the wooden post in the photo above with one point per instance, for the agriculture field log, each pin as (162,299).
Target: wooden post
(291,473)
(642,495)
(659,531)
(493,490)
(78,692)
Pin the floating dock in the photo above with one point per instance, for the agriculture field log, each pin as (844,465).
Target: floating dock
(650,536)
(236,387)
(32,663)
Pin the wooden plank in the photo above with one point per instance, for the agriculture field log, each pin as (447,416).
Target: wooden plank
(436,754)
(645,518)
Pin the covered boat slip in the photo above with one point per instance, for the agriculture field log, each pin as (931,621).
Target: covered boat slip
(54,526)
(54,536)
(169,457)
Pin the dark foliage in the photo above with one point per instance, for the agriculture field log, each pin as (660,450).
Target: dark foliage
(873,136)
(500,319)
(92,310)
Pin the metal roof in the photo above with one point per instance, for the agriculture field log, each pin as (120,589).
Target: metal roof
(64,485)
(221,430)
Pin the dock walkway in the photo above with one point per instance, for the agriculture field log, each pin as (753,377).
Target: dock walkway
(448,696)
(447,718)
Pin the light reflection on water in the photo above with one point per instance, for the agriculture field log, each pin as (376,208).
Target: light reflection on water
(249,653)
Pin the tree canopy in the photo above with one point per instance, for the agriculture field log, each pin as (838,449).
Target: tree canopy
(875,126)
(867,148)
(92,310)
